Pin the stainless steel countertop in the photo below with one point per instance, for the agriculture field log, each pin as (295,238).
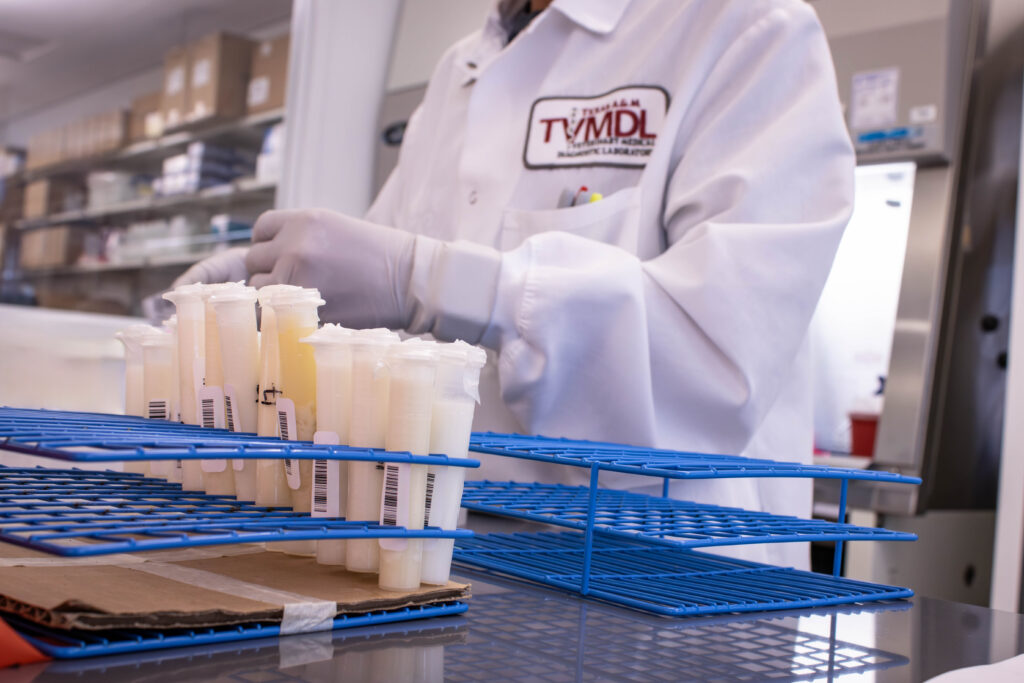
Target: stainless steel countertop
(518,632)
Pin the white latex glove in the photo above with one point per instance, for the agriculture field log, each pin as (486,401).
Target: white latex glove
(375,276)
(224,266)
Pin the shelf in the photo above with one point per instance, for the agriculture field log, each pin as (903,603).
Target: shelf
(668,581)
(151,261)
(661,463)
(243,189)
(98,437)
(72,513)
(240,131)
(657,520)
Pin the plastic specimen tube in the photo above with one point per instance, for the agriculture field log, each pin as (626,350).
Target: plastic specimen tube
(333,356)
(367,429)
(158,384)
(188,302)
(235,320)
(296,316)
(271,487)
(413,366)
(171,469)
(134,402)
(456,393)
(218,476)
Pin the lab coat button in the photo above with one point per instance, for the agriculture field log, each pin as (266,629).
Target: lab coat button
(472,196)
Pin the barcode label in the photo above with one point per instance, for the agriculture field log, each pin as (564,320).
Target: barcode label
(213,466)
(286,418)
(326,480)
(230,406)
(430,496)
(157,409)
(211,407)
(394,502)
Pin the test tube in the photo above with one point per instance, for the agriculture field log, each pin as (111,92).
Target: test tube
(413,367)
(333,356)
(235,314)
(271,487)
(218,476)
(295,312)
(171,469)
(456,393)
(188,303)
(134,403)
(158,386)
(367,429)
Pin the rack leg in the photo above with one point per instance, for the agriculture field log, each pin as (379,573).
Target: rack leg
(588,547)
(837,563)
(664,487)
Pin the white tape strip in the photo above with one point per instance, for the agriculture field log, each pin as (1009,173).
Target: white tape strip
(302,614)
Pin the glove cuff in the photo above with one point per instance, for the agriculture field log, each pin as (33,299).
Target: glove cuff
(452,288)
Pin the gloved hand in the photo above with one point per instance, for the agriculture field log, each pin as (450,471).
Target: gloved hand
(361,269)
(375,276)
(224,266)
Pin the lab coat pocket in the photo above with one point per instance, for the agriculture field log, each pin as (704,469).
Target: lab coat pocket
(612,220)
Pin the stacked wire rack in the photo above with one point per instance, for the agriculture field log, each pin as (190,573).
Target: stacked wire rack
(639,551)
(81,513)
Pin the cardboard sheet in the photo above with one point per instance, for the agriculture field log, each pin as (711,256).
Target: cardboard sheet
(191,588)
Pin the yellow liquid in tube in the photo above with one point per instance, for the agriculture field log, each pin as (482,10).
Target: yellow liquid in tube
(271,486)
(298,383)
(218,478)
(188,302)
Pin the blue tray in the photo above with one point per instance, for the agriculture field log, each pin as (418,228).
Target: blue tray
(76,513)
(77,644)
(97,437)
(664,580)
(659,520)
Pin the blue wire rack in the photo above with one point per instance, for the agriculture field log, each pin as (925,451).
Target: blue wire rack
(97,437)
(662,463)
(76,513)
(79,644)
(672,582)
(661,520)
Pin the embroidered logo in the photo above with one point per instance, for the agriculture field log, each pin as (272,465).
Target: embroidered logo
(618,128)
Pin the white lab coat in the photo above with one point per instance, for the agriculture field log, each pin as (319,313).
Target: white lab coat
(673,313)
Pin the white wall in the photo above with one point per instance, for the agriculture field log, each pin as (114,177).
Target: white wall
(426,28)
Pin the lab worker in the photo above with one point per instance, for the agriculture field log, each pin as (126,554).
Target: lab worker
(673,310)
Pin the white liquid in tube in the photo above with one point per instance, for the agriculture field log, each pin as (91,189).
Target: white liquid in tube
(158,385)
(134,401)
(410,406)
(235,320)
(188,302)
(333,356)
(455,398)
(370,389)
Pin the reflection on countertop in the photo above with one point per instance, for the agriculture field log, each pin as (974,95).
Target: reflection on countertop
(518,632)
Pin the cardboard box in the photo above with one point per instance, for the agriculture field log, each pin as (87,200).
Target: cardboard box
(110,131)
(174,95)
(49,247)
(269,75)
(52,195)
(146,119)
(218,77)
(192,588)
(45,149)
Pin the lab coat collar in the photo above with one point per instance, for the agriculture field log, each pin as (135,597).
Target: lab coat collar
(598,16)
